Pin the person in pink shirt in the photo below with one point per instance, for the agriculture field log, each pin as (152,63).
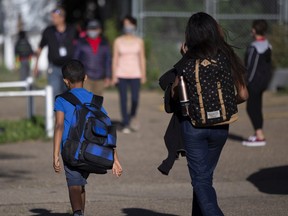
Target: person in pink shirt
(129,69)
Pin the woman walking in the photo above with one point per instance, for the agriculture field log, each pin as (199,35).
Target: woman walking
(203,145)
(129,70)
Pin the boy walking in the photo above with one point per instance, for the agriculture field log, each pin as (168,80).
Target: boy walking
(259,67)
(74,77)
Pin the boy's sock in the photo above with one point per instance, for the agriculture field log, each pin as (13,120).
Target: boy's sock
(78,213)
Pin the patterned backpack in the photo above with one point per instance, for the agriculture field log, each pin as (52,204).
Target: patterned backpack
(91,138)
(211,91)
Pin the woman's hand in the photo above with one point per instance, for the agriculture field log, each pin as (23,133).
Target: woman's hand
(107,82)
(143,80)
(242,94)
(115,81)
(174,88)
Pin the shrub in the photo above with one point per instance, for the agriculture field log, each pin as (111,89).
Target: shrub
(21,130)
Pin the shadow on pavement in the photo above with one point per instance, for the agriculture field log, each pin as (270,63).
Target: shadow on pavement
(143,212)
(271,180)
(235,137)
(14,174)
(10,156)
(45,212)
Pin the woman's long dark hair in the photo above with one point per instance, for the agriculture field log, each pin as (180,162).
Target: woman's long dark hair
(205,38)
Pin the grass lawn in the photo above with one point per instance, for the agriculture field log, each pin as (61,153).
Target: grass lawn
(20,130)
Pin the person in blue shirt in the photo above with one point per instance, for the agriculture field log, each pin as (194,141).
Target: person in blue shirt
(74,77)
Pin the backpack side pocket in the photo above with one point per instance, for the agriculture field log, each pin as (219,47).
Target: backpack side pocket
(97,155)
(70,152)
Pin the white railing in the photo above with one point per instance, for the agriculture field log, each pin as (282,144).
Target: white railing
(27,84)
(47,93)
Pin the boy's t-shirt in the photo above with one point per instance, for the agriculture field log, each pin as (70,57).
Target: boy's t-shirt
(68,109)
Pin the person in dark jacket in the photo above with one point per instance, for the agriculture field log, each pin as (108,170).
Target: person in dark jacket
(60,39)
(259,67)
(23,52)
(172,138)
(94,52)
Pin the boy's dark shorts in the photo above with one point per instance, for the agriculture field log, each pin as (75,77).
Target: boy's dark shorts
(75,177)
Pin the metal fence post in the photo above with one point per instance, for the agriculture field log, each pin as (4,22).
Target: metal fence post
(211,7)
(30,99)
(49,111)
(135,9)
(137,12)
(285,11)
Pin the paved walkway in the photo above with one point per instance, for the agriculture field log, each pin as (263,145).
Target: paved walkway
(249,181)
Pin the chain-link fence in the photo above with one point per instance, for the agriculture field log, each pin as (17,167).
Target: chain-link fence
(162,24)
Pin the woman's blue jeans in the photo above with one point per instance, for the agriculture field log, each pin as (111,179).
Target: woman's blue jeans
(123,85)
(203,148)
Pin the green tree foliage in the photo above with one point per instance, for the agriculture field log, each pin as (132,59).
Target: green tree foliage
(279,41)
(165,34)
(111,30)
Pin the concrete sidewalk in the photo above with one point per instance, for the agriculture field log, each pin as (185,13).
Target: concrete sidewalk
(249,181)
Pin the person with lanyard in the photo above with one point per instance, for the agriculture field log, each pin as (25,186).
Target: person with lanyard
(94,52)
(60,39)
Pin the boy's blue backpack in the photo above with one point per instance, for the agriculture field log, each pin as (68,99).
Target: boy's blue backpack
(91,139)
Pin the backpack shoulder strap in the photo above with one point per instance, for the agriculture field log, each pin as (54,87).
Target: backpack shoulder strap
(199,91)
(71,98)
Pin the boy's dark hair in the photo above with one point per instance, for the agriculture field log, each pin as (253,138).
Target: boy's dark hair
(260,26)
(73,71)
